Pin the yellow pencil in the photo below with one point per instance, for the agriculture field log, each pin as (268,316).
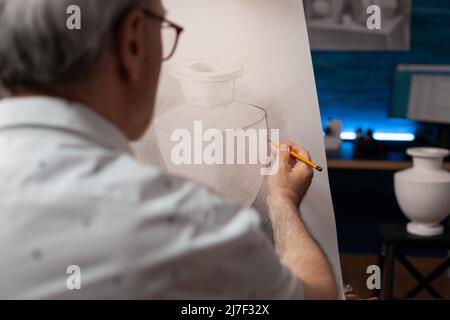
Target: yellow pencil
(299,157)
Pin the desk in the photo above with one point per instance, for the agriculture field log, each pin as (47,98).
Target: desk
(372,165)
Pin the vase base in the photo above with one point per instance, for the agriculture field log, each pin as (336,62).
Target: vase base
(424,230)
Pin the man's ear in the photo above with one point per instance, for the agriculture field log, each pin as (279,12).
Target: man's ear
(130,46)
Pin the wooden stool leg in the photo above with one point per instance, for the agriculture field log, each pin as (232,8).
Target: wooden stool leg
(390,273)
(381,257)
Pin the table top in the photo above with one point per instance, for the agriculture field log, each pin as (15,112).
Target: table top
(344,159)
(397,234)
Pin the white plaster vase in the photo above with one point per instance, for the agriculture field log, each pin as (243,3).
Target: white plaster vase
(208,87)
(423,191)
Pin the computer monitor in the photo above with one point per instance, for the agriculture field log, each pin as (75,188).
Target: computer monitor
(421,93)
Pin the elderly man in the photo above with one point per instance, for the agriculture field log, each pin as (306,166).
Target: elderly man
(81,218)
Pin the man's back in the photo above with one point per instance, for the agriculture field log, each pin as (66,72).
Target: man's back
(71,194)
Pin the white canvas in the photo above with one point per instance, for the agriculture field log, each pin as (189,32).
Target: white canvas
(264,45)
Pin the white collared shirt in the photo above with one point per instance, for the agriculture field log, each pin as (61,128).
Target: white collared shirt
(77,210)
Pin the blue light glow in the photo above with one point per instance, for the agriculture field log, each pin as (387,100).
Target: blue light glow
(348,136)
(394,136)
(382,136)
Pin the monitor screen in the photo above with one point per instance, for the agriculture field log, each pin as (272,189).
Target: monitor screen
(422,93)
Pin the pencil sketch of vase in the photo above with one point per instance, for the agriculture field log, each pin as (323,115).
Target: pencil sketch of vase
(208,88)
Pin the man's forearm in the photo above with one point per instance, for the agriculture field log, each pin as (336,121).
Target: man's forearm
(299,251)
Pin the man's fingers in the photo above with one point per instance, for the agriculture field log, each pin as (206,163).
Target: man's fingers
(298,149)
(303,171)
(303,153)
(300,168)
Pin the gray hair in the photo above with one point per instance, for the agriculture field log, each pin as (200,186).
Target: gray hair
(37,49)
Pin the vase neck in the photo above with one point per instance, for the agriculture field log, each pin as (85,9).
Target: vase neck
(428,163)
(208,95)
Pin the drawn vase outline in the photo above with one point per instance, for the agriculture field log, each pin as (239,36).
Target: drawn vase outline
(208,87)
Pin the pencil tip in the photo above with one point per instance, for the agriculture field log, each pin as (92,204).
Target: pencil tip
(320,169)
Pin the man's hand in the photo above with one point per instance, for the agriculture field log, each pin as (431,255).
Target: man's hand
(293,178)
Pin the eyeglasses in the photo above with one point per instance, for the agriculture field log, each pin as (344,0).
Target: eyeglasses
(170,34)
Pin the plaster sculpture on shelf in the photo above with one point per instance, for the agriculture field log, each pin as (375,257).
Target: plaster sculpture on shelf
(342,25)
(327,10)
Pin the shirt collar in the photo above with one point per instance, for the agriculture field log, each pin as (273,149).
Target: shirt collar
(59,114)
